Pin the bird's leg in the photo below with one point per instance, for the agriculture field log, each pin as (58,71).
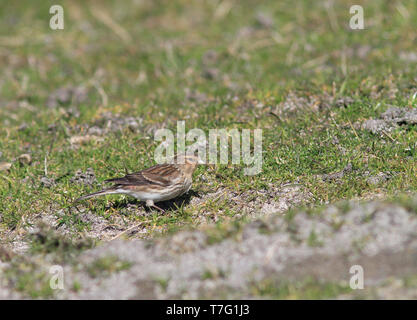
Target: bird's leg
(150,203)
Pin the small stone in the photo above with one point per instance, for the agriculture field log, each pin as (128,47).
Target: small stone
(132,124)
(410,117)
(377,179)
(210,57)
(72,112)
(193,95)
(363,51)
(376,126)
(65,95)
(343,102)
(110,122)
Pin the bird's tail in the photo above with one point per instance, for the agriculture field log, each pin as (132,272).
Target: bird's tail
(96,194)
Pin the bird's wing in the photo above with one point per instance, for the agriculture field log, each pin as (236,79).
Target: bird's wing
(161,174)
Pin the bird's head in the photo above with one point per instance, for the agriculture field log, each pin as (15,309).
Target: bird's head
(188,162)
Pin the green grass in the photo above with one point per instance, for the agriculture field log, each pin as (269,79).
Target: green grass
(59,247)
(107,265)
(307,289)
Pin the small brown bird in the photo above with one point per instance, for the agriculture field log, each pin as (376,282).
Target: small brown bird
(158,183)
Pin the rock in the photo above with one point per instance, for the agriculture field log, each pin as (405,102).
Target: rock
(294,103)
(84,139)
(337,175)
(254,203)
(186,242)
(410,117)
(343,102)
(264,20)
(95,131)
(87,178)
(377,126)
(363,51)
(392,113)
(377,179)
(390,119)
(282,198)
(110,122)
(210,73)
(4,166)
(66,95)
(210,57)
(72,112)
(25,159)
(193,95)
(319,245)
(408,56)
(5,255)
(52,127)
(23,127)
(370,234)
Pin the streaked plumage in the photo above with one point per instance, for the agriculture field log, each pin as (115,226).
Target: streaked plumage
(158,183)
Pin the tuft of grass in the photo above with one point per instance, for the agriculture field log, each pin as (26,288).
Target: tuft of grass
(309,91)
(307,289)
(28,278)
(46,241)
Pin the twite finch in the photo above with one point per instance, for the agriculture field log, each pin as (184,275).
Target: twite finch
(158,183)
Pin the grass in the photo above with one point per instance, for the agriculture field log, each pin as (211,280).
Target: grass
(215,67)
